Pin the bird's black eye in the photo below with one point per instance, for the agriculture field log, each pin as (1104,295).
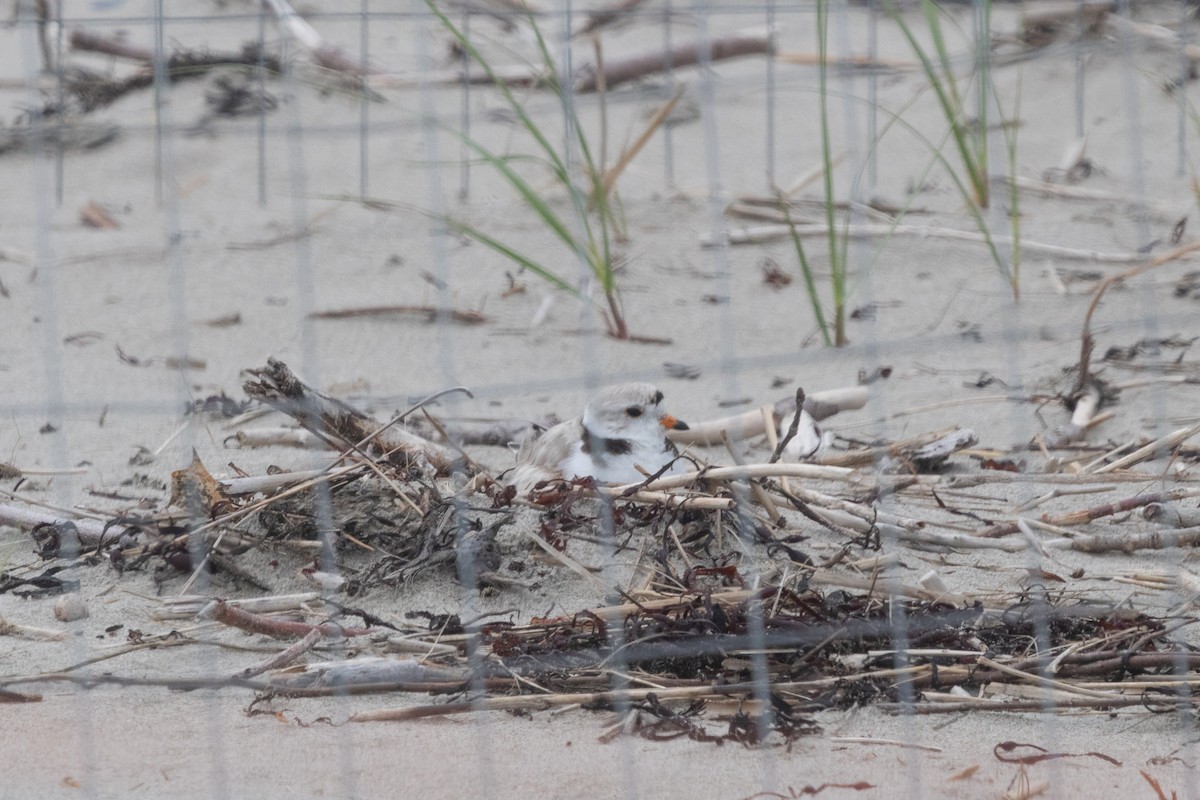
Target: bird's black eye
(658,398)
(634,411)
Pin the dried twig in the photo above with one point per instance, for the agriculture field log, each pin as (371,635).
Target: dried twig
(767,233)
(630,68)
(430,313)
(1095,512)
(324,54)
(793,428)
(234,617)
(1087,342)
(1152,450)
(1132,542)
(819,405)
(282,659)
(278,387)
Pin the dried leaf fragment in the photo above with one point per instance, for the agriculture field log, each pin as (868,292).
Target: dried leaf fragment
(94,215)
(196,491)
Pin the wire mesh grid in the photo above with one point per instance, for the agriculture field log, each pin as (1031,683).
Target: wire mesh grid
(967,573)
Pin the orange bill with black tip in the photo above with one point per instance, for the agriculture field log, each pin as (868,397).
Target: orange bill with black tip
(672,424)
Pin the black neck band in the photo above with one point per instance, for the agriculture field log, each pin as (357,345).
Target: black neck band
(613,447)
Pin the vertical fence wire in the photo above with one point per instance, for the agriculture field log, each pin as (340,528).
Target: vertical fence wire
(82,741)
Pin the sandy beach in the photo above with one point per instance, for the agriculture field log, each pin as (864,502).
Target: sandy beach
(220,235)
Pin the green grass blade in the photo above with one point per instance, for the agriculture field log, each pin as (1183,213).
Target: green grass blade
(837,255)
(513,255)
(810,284)
(938,158)
(516,105)
(527,192)
(947,96)
(601,256)
(590,246)
(933,20)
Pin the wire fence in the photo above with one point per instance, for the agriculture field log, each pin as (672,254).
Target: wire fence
(961,230)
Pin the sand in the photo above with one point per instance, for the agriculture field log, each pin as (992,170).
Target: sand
(195,245)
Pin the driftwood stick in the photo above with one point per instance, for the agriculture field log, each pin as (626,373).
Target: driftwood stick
(324,54)
(708,433)
(282,659)
(234,617)
(1181,579)
(41,634)
(819,405)
(1037,679)
(263,503)
(279,388)
(681,500)
(1095,512)
(958,541)
(1172,515)
(630,68)
(188,606)
(281,437)
(371,671)
(1129,543)
(88,41)
(89,531)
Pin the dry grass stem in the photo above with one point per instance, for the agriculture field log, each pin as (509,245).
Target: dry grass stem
(769,233)
(285,657)
(1155,449)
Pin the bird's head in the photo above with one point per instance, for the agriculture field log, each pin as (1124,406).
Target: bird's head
(630,411)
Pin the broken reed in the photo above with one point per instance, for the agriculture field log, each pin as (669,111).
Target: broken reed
(589,229)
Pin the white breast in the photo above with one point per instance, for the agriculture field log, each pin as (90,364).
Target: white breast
(616,468)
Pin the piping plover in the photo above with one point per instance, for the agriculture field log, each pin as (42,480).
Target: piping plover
(622,428)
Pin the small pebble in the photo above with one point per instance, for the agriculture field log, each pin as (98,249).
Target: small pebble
(69,608)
